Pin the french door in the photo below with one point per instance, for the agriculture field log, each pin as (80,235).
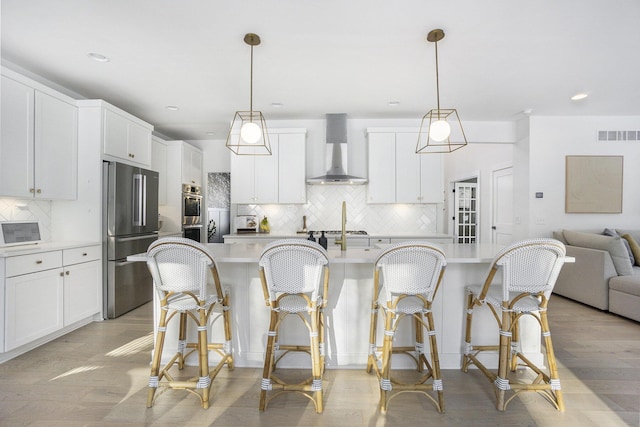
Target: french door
(466,212)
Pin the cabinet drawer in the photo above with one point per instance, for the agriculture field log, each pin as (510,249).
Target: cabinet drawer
(83,254)
(32,263)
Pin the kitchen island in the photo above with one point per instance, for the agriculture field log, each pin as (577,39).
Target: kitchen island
(349,307)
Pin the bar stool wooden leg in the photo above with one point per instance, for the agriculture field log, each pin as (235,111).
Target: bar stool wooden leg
(466,360)
(551,360)
(154,377)
(419,344)
(502,381)
(435,362)
(387,352)
(269,363)
(316,368)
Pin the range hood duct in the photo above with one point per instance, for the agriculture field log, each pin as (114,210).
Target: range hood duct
(336,154)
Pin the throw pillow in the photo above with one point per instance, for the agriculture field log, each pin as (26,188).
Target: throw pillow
(613,233)
(635,248)
(613,245)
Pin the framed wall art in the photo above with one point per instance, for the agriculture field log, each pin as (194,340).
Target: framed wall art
(593,184)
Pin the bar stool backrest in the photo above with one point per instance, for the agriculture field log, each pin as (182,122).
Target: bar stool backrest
(530,266)
(183,265)
(411,267)
(293,266)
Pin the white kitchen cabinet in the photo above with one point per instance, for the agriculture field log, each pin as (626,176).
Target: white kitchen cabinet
(397,174)
(191,165)
(126,137)
(382,168)
(278,178)
(48,291)
(419,177)
(292,186)
(82,274)
(159,164)
(39,141)
(33,297)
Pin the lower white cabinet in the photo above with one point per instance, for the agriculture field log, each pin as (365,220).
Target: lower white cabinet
(82,271)
(33,307)
(48,291)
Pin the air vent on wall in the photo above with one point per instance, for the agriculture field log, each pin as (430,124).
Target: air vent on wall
(619,135)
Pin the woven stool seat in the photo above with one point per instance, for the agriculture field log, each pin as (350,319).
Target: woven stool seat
(406,278)
(529,271)
(295,280)
(185,277)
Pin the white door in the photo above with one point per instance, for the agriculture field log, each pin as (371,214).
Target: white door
(466,208)
(502,206)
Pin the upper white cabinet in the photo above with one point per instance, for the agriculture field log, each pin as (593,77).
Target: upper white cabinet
(126,137)
(159,164)
(38,142)
(397,174)
(382,168)
(122,136)
(292,186)
(191,165)
(278,178)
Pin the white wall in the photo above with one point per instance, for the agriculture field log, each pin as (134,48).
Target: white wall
(553,138)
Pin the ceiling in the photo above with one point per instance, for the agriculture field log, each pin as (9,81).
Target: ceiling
(499,60)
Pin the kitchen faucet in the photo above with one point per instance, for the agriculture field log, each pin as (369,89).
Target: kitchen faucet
(343,238)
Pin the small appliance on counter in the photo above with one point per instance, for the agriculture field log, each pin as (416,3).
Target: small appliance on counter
(246,224)
(14,233)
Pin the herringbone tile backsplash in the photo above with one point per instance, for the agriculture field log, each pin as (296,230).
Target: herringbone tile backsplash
(324,212)
(28,210)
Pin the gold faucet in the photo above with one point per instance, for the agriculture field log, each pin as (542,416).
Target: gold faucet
(343,237)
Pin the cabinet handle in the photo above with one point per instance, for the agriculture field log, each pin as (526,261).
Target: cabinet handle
(84,254)
(32,190)
(66,272)
(61,274)
(39,261)
(38,191)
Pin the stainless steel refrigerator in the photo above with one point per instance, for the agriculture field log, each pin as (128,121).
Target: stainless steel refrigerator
(130,225)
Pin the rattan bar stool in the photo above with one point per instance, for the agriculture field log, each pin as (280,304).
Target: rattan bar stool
(529,272)
(295,281)
(186,279)
(406,278)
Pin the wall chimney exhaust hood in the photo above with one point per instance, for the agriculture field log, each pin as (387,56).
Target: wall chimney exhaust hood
(336,154)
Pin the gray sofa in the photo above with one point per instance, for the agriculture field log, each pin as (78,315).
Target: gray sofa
(603,275)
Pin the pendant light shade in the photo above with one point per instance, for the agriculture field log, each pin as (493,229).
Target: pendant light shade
(441,129)
(248,133)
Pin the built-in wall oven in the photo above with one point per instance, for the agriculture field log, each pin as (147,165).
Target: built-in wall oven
(192,212)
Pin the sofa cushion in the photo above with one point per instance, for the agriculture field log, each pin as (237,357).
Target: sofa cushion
(627,284)
(613,233)
(613,245)
(635,248)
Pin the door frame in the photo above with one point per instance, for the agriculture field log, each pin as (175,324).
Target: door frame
(495,168)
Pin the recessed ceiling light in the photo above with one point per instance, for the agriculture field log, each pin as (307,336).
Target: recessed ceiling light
(276,104)
(527,112)
(211,133)
(393,103)
(172,108)
(98,57)
(579,96)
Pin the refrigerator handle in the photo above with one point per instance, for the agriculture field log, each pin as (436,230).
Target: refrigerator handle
(144,201)
(137,200)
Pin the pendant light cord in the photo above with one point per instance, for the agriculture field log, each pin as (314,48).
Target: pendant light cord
(437,81)
(251,88)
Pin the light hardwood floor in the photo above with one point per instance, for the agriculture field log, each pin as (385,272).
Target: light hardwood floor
(97,376)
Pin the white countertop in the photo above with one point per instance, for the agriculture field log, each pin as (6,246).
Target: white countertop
(250,253)
(41,247)
(424,236)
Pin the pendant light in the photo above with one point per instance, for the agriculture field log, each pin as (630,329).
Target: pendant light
(248,133)
(440,130)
